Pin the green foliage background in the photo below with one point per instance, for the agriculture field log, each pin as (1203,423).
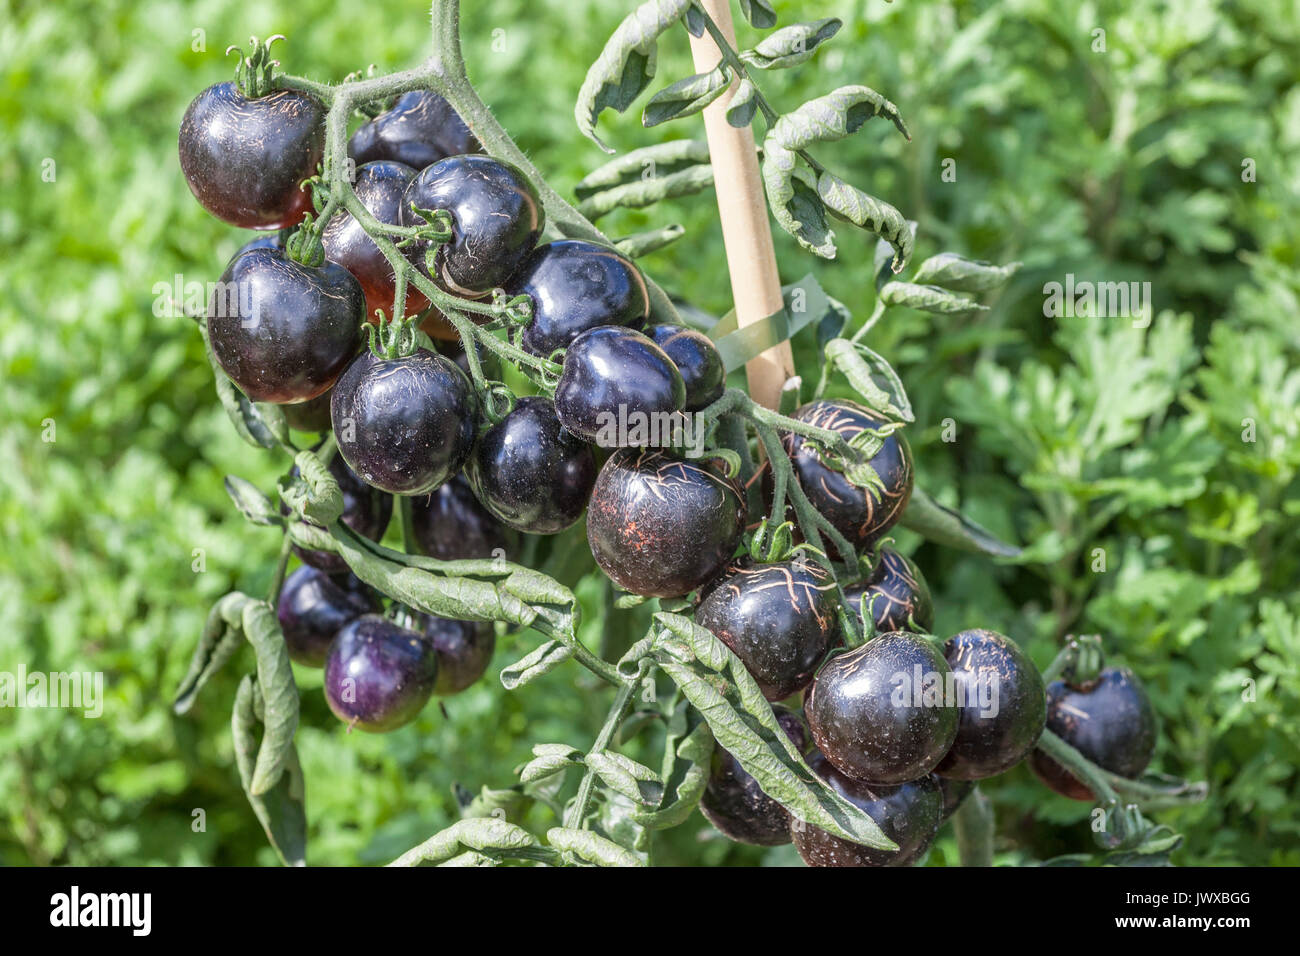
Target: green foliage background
(1091,438)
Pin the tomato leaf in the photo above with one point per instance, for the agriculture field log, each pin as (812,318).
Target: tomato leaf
(282,808)
(686,97)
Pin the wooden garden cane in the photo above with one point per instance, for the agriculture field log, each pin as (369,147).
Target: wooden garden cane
(746,232)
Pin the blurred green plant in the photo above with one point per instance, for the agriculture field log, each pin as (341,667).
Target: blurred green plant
(1166,150)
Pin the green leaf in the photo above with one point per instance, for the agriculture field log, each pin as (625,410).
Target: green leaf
(591,848)
(486,836)
(863,369)
(644,163)
(218,641)
(281,810)
(686,97)
(742,722)
(792,45)
(759,13)
(541,660)
(641,243)
(687,758)
(646,192)
(316,496)
(743,105)
(884,256)
(804,301)
(963,275)
(252,504)
(928,298)
(626,65)
(867,212)
(944,526)
(799,202)
(549,759)
(624,775)
(279,695)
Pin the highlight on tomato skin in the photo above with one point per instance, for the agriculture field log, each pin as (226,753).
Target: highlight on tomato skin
(245,158)
(1110,721)
(661,525)
(419,129)
(283,331)
(378,675)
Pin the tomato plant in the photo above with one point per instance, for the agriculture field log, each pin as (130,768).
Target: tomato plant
(552,357)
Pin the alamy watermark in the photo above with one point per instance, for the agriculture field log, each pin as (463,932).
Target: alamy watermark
(1081,298)
(979,693)
(194,299)
(637,429)
(82,691)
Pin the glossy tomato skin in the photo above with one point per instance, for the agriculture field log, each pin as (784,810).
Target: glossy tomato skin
(314,607)
(418,130)
(879,712)
(379,676)
(907,813)
(464,650)
(737,806)
(497,219)
(285,331)
(614,376)
(530,472)
(902,599)
(451,524)
(662,526)
(244,159)
(404,425)
(380,187)
(779,619)
(366,511)
(860,515)
(1111,722)
(698,361)
(1001,703)
(577,285)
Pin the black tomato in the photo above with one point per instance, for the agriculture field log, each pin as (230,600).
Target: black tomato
(575,286)
(902,600)
(314,607)
(405,425)
(1000,697)
(882,712)
(496,215)
(735,803)
(379,676)
(366,511)
(954,793)
(530,472)
(464,650)
(909,814)
(618,389)
(380,187)
(282,331)
(1110,721)
(451,524)
(661,526)
(860,515)
(244,159)
(420,129)
(698,361)
(779,619)
(312,415)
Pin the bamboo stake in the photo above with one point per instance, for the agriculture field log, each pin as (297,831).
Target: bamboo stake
(746,232)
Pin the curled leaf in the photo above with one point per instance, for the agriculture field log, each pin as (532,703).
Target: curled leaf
(591,848)
(488,836)
(743,105)
(944,526)
(250,501)
(792,45)
(928,298)
(646,192)
(641,243)
(686,97)
(963,275)
(865,370)
(759,13)
(281,810)
(541,660)
(642,163)
(626,65)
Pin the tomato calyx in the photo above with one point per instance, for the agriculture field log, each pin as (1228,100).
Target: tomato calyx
(394,338)
(255,72)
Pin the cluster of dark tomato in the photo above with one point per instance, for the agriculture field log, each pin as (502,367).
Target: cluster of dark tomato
(659,524)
